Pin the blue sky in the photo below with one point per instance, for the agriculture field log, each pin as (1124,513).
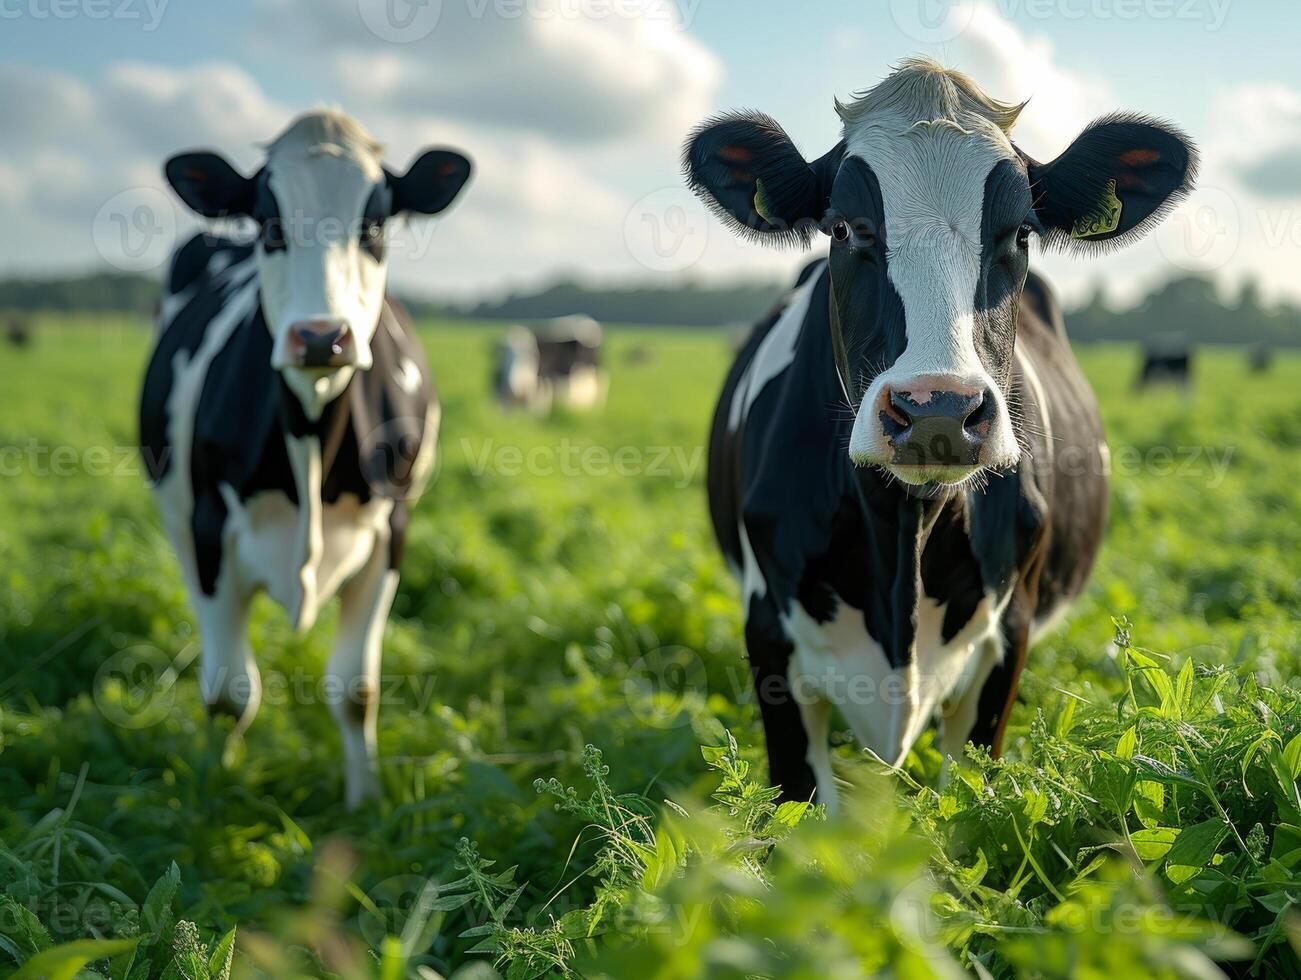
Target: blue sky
(574,110)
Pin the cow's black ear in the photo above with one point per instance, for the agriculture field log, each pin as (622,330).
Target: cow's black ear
(1120,177)
(431,183)
(209,185)
(745,167)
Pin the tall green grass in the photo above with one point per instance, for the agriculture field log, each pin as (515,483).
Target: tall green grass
(1145,815)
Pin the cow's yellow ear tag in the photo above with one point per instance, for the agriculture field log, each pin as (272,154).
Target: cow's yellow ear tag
(761,206)
(1106,222)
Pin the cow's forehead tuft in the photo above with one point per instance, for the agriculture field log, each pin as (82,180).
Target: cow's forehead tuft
(923,90)
(327,134)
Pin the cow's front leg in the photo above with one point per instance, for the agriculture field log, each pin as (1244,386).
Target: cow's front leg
(998,694)
(960,712)
(354,666)
(783,722)
(228,677)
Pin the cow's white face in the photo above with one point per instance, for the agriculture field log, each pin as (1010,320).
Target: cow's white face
(320,203)
(929,208)
(329,263)
(928,221)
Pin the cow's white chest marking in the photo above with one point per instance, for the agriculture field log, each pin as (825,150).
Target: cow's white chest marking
(301,561)
(837,664)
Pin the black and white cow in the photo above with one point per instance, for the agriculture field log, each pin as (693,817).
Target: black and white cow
(288,411)
(1167,362)
(907,469)
(557,362)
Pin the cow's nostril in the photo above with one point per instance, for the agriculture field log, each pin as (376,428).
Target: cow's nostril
(320,343)
(980,415)
(928,423)
(337,339)
(895,416)
(897,410)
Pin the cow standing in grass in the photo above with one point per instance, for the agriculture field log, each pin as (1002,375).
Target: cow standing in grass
(907,468)
(288,410)
(556,362)
(1166,362)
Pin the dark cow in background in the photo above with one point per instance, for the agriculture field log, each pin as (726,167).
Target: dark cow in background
(556,362)
(1166,360)
(288,412)
(907,469)
(1260,358)
(18,331)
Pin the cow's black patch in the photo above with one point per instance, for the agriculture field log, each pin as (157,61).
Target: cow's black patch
(866,314)
(274,233)
(182,335)
(787,742)
(1004,265)
(191,261)
(793,464)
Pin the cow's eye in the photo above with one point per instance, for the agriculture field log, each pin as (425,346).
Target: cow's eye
(372,238)
(1023,236)
(840,232)
(272,236)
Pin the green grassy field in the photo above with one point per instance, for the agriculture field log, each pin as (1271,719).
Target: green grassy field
(562,589)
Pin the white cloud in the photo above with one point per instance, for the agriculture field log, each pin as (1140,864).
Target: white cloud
(573,123)
(1013,66)
(568,69)
(537,205)
(158,110)
(38,105)
(571,110)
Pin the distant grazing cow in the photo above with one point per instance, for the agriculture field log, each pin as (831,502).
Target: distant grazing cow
(288,415)
(18,332)
(1260,358)
(639,356)
(1166,364)
(907,469)
(556,363)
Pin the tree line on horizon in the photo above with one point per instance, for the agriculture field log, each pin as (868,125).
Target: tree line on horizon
(1190,307)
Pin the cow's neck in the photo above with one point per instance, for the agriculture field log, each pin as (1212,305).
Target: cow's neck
(315,394)
(897,526)
(312,445)
(298,422)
